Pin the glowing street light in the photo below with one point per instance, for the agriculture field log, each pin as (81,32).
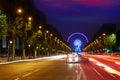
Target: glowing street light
(100,37)
(47,31)
(10,42)
(42,48)
(29,18)
(51,35)
(40,27)
(19,11)
(104,34)
(37,47)
(29,45)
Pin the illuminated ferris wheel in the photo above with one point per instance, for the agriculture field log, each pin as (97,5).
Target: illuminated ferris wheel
(77,41)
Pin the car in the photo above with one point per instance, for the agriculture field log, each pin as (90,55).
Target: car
(72,58)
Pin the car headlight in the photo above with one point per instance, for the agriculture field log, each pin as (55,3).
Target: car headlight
(70,59)
(76,58)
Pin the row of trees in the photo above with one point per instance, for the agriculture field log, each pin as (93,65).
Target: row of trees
(31,39)
(102,43)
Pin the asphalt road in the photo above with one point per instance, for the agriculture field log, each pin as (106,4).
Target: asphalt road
(48,69)
(53,69)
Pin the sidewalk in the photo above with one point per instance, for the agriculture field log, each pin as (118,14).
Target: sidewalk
(18,59)
(5,59)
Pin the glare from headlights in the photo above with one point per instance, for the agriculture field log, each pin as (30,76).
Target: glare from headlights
(76,58)
(70,59)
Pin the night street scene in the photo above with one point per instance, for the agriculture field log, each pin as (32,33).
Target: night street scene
(59,39)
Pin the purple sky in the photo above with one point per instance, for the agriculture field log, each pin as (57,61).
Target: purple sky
(85,16)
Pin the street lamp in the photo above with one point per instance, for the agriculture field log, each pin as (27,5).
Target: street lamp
(42,48)
(47,31)
(100,37)
(9,49)
(19,11)
(37,47)
(29,45)
(29,18)
(51,35)
(29,24)
(29,51)
(40,27)
(10,42)
(104,34)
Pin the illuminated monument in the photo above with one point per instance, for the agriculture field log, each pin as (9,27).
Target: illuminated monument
(77,41)
(77,45)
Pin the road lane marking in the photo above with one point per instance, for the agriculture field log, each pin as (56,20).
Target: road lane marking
(30,73)
(17,79)
(98,73)
(83,73)
(27,74)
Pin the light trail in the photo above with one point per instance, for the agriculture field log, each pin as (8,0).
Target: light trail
(117,62)
(105,67)
(43,58)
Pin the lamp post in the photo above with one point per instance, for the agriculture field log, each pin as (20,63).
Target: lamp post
(21,19)
(51,43)
(36,52)
(29,24)
(29,51)
(42,51)
(19,11)
(9,44)
(46,39)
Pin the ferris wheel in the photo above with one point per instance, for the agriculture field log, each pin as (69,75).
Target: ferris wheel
(77,41)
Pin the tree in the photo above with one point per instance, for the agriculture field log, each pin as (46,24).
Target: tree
(110,40)
(21,32)
(3,27)
(17,28)
(3,24)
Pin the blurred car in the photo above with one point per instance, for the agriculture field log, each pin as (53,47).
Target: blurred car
(72,58)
